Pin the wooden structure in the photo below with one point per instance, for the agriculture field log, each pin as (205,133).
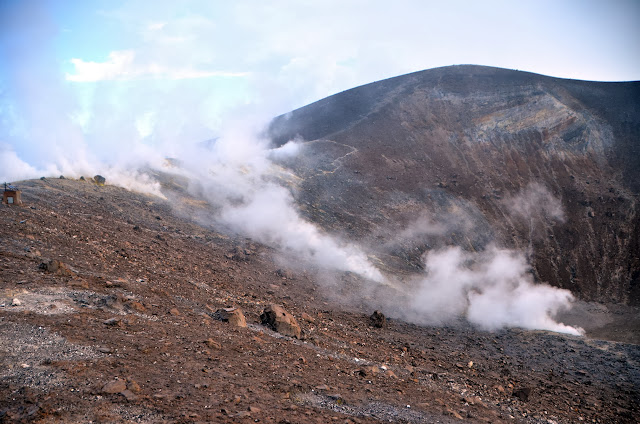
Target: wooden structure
(11,195)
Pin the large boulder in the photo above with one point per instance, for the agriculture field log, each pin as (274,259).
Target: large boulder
(276,318)
(233,316)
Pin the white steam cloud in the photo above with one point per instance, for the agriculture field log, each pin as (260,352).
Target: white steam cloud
(535,202)
(492,289)
(236,175)
(13,168)
(270,216)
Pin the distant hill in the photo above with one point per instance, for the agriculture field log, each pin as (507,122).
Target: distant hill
(473,155)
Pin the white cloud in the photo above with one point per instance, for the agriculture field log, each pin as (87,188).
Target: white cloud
(156,26)
(122,66)
(145,124)
(118,65)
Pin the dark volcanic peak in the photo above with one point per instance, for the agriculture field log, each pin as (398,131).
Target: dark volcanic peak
(490,157)
(335,113)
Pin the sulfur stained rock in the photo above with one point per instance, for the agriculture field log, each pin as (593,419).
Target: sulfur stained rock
(100,180)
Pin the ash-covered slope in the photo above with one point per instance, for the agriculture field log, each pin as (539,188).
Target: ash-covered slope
(127,327)
(473,155)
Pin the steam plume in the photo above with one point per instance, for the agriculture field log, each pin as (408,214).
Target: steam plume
(493,289)
(237,176)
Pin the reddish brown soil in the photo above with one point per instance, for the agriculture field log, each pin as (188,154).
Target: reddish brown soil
(136,305)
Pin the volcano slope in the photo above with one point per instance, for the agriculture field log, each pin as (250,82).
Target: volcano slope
(125,330)
(483,156)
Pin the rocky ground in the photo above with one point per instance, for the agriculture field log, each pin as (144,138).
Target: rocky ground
(110,312)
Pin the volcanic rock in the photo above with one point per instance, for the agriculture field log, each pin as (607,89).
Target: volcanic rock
(213,344)
(57,267)
(522,393)
(368,371)
(129,395)
(276,318)
(136,306)
(114,386)
(390,374)
(133,386)
(378,319)
(233,316)
(183,376)
(100,180)
(305,316)
(284,274)
(111,322)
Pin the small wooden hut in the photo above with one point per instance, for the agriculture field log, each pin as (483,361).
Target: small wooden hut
(11,195)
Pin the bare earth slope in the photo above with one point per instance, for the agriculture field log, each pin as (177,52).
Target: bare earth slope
(126,331)
(481,151)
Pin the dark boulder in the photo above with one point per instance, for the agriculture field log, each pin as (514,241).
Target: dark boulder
(378,319)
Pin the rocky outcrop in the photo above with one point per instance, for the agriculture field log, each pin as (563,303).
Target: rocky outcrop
(473,156)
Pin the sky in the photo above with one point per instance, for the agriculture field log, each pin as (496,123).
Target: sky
(103,78)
